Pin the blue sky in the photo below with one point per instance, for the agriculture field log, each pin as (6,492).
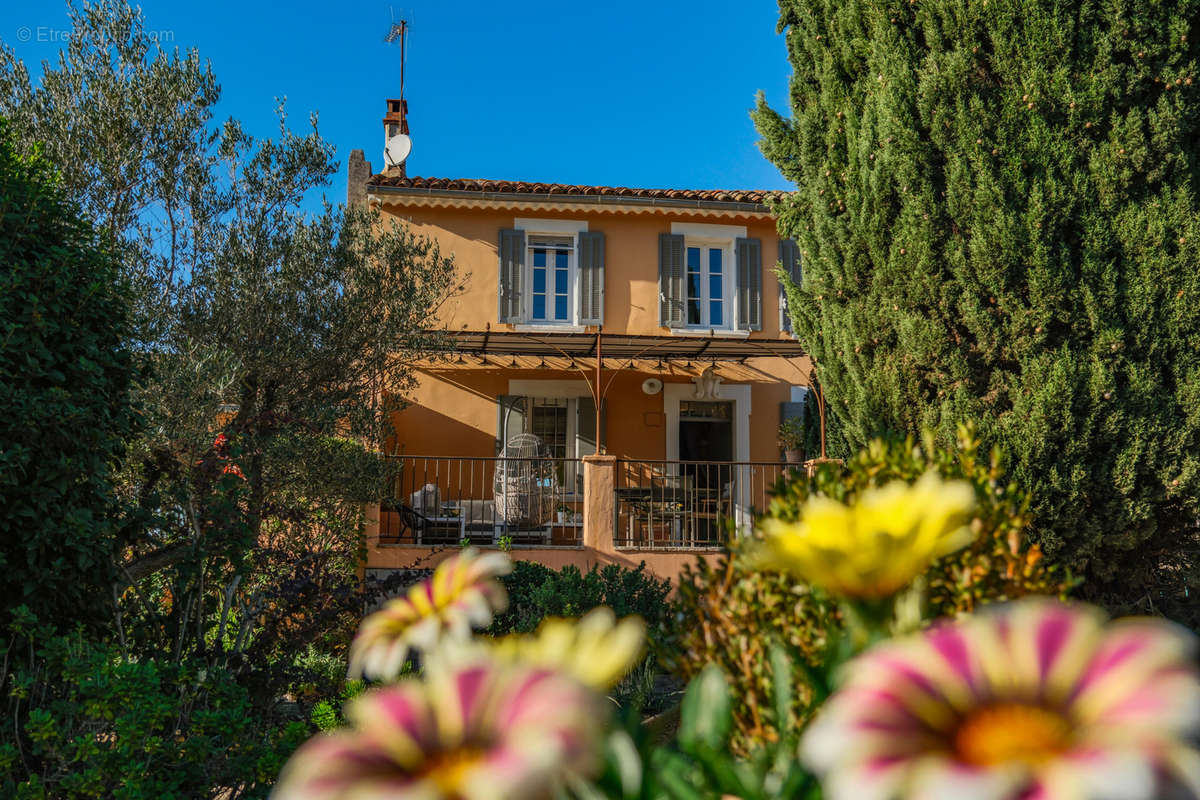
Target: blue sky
(649,94)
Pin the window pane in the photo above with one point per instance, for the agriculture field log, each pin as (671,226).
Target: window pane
(693,259)
(539,257)
(716,290)
(714,313)
(693,286)
(693,312)
(560,259)
(560,306)
(560,281)
(714,261)
(539,306)
(539,281)
(549,421)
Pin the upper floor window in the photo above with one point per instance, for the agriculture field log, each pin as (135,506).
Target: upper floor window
(709,277)
(552,263)
(552,277)
(707,286)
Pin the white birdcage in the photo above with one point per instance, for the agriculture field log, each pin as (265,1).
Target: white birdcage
(526,482)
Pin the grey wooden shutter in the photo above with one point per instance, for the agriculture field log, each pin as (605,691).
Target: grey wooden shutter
(591,278)
(512,275)
(789,260)
(585,427)
(670,280)
(749,284)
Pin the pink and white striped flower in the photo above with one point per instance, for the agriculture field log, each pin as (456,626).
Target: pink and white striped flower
(462,593)
(482,732)
(1032,700)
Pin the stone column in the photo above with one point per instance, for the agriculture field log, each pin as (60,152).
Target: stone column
(599,481)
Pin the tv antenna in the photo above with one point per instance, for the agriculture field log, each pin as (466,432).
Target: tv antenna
(399,30)
(398,145)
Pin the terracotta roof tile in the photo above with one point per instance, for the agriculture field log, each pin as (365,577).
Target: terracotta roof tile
(525,187)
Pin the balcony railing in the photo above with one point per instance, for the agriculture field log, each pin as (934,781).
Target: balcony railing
(688,505)
(448,500)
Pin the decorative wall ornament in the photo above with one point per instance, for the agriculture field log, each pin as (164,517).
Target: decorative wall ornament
(707,384)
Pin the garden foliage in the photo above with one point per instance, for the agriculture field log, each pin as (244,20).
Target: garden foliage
(737,611)
(85,721)
(261,336)
(997,211)
(64,386)
(536,592)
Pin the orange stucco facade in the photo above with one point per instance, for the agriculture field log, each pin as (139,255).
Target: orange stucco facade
(453,410)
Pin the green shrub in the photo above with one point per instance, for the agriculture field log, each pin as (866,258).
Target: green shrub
(734,612)
(85,721)
(536,592)
(64,381)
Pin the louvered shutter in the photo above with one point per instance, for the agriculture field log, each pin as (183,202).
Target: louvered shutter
(789,261)
(512,275)
(670,280)
(749,284)
(591,278)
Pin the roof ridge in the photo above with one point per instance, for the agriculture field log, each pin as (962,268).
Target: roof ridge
(543,187)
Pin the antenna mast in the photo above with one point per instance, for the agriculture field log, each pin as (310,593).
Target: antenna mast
(399,30)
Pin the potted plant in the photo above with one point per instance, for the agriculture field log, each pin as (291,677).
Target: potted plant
(564,512)
(791,439)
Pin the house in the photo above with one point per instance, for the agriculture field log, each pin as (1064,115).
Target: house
(639,335)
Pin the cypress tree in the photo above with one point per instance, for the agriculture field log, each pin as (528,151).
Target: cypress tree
(997,215)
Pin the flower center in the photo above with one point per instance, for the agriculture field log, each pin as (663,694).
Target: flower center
(1011,732)
(447,770)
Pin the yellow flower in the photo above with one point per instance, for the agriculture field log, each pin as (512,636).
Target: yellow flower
(596,650)
(878,545)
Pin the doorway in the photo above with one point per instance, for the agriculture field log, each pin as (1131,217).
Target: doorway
(706,448)
(705,431)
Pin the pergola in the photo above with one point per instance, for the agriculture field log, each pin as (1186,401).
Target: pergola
(593,353)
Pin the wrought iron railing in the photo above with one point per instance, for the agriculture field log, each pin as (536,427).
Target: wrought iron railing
(689,505)
(449,500)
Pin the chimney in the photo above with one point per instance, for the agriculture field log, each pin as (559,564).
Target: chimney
(358,172)
(395,121)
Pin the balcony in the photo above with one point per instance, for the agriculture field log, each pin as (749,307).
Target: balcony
(653,505)
(451,500)
(689,505)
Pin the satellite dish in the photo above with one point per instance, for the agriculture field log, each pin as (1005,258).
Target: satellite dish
(652,386)
(397,149)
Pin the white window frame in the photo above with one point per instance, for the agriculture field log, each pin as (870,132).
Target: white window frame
(531,240)
(722,237)
(725,246)
(551,228)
